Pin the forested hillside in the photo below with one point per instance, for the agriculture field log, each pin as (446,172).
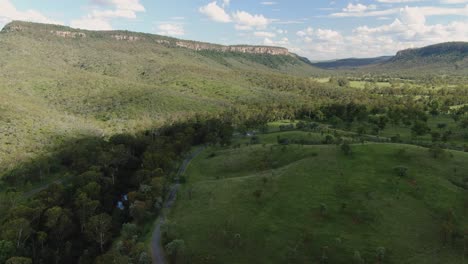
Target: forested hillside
(450,57)
(94,126)
(58,83)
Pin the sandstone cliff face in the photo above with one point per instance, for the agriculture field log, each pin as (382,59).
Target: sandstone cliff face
(66,32)
(241,49)
(126,37)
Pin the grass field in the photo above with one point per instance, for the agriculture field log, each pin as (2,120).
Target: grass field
(293,204)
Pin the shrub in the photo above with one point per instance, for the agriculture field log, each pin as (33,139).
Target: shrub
(401,171)
(346,148)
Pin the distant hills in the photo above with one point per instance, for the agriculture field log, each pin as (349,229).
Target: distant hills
(450,57)
(443,58)
(351,63)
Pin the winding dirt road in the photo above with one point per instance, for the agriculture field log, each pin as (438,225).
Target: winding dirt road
(157,250)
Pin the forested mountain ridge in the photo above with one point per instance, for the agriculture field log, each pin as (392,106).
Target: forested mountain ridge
(442,58)
(120,35)
(58,82)
(351,62)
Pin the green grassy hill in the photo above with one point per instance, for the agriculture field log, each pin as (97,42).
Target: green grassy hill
(58,83)
(302,204)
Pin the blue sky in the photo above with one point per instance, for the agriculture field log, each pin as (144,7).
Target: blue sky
(317,29)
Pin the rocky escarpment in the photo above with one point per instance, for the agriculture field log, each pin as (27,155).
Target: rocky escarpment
(242,49)
(71,33)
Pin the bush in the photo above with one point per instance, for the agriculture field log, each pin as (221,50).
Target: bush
(401,171)
(436,151)
(346,148)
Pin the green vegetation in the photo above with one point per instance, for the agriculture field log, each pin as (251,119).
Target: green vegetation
(304,165)
(295,203)
(114,188)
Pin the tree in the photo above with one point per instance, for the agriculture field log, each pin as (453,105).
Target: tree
(323,209)
(380,254)
(7,249)
(357,259)
(420,128)
(19,260)
(401,171)
(436,151)
(435,136)
(175,248)
(18,230)
(98,229)
(129,231)
(346,148)
(86,208)
(59,222)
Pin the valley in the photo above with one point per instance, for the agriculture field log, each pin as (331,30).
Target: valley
(127,147)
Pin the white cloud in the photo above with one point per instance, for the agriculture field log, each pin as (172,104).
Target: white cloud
(425,10)
(264,34)
(171,29)
(283,42)
(91,23)
(8,12)
(358,8)
(410,29)
(454,1)
(131,5)
(215,12)
(247,21)
(268,3)
(398,1)
(100,19)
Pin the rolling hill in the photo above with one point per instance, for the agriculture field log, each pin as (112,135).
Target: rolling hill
(58,82)
(301,204)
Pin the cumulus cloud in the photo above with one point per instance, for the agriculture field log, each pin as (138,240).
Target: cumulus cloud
(243,20)
(247,21)
(408,30)
(264,34)
(358,8)
(425,10)
(214,12)
(171,29)
(9,12)
(100,16)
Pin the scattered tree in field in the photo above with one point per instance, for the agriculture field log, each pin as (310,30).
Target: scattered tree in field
(346,148)
(401,171)
(324,258)
(257,194)
(175,249)
(323,209)
(436,151)
(357,259)
(329,139)
(380,254)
